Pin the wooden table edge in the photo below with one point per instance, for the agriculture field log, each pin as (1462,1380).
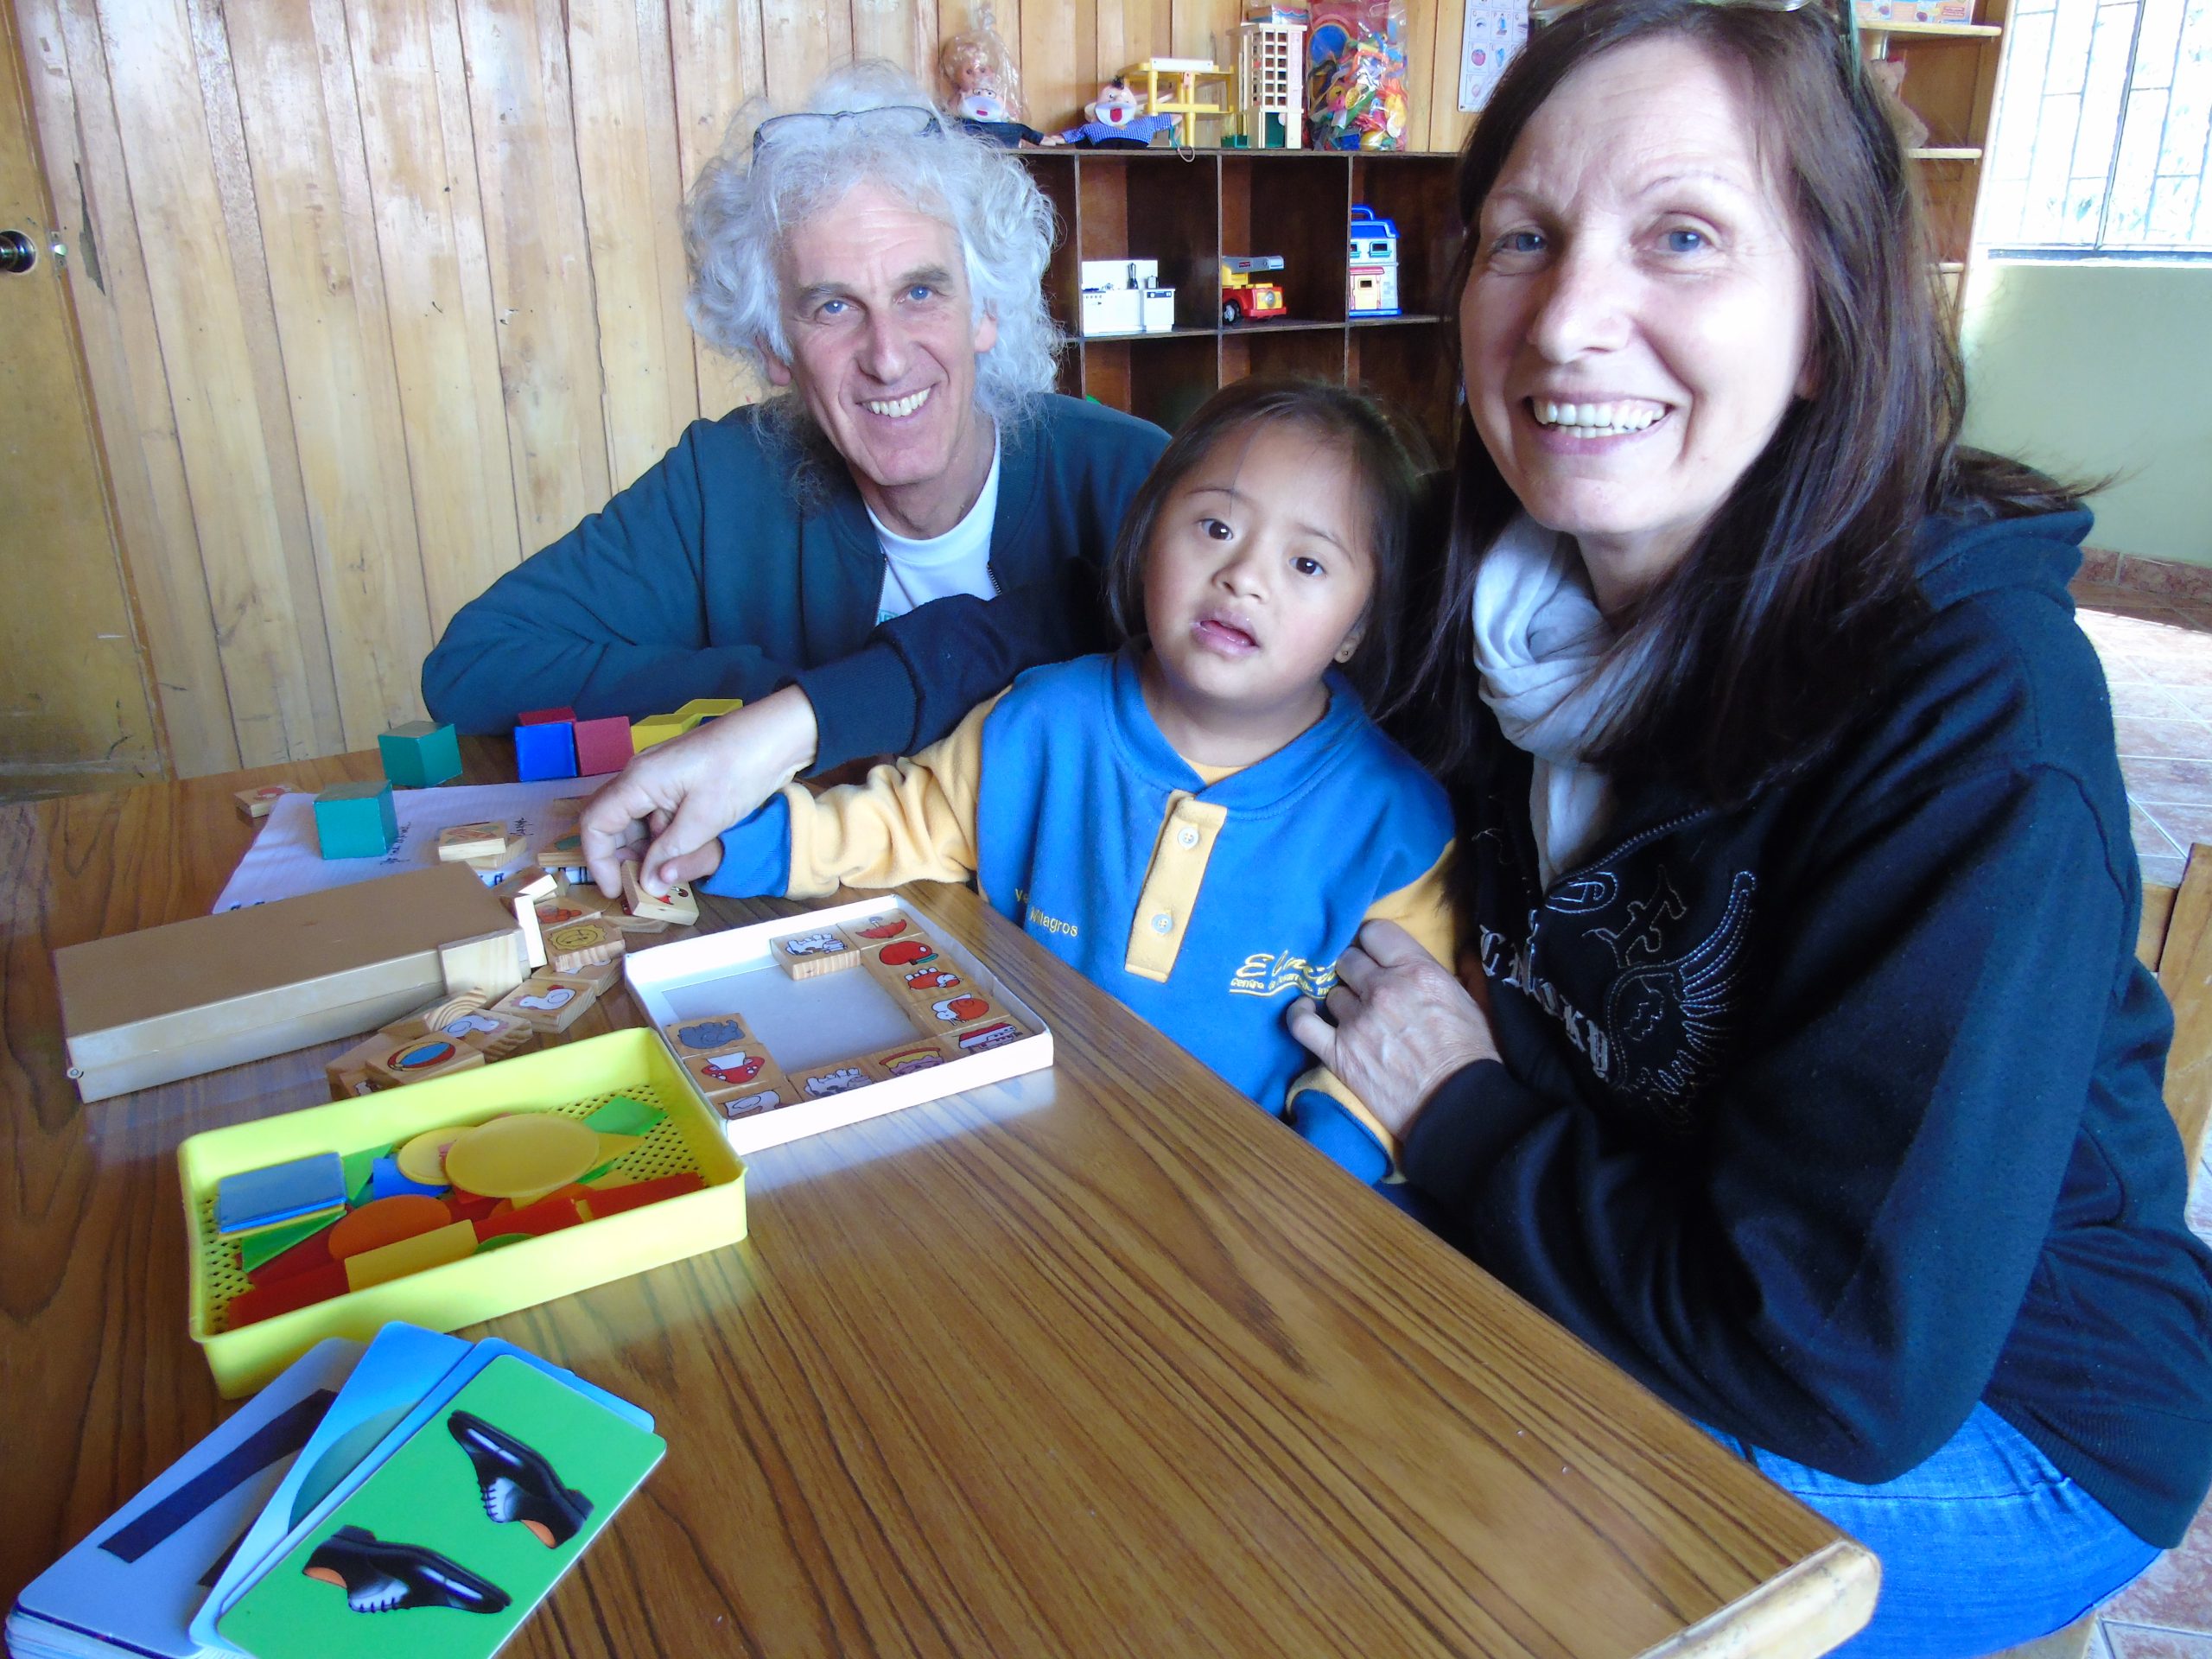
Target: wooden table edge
(1810,1609)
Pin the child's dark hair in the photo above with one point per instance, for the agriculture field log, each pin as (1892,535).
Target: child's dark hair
(1389,460)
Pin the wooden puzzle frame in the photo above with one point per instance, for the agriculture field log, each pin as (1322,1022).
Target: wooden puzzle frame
(707,977)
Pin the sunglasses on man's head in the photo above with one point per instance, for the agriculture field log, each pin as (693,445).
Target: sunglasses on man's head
(885,120)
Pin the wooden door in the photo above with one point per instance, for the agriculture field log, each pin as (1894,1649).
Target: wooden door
(76,710)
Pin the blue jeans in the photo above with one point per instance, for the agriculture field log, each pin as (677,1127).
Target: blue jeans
(1984,1546)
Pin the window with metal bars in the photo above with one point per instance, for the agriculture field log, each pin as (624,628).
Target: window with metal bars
(2103,125)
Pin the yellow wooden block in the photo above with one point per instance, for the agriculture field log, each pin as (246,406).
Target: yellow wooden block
(659,728)
(431,1249)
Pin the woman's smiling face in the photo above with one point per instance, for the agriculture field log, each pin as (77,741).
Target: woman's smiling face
(1636,320)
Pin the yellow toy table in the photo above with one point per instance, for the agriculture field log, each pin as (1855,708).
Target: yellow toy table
(1185,105)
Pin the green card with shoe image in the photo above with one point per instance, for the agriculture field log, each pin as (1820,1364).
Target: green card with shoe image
(455,1535)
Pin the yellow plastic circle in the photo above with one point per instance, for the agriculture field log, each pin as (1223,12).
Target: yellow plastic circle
(422,1161)
(529,1152)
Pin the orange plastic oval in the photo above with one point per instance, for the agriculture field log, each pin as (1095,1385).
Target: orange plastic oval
(386,1221)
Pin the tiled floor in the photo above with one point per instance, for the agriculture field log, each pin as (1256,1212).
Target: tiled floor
(2158,656)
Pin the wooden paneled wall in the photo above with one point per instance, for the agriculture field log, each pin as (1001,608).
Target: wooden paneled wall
(377,296)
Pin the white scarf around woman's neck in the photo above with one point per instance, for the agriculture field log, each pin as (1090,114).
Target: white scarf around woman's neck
(1540,642)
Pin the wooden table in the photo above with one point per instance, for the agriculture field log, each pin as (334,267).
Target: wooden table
(1102,1362)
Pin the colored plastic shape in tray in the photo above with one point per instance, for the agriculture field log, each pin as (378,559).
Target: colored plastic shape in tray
(575,1080)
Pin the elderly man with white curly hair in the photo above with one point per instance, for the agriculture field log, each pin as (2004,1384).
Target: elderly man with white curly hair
(916,495)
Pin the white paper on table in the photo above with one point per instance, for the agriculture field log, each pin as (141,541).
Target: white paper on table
(1494,31)
(286,859)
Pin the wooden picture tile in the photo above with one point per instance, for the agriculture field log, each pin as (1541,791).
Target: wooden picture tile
(707,1034)
(547,1001)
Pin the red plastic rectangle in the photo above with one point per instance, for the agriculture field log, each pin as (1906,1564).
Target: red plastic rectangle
(613,1200)
(546,1216)
(301,1290)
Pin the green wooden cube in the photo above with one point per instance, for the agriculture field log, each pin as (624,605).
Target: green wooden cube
(420,754)
(356,821)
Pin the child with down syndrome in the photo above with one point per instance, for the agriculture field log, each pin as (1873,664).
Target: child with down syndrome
(1200,822)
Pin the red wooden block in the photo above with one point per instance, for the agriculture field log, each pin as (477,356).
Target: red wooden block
(546,1216)
(545,716)
(602,746)
(310,1253)
(301,1290)
(473,1206)
(613,1200)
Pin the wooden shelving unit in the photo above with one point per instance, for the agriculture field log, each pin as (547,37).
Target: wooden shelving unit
(1950,83)
(1188,212)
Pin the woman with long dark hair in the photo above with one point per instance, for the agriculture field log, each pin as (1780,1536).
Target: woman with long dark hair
(1808,1073)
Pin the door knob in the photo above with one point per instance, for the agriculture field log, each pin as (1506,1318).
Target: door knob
(18,253)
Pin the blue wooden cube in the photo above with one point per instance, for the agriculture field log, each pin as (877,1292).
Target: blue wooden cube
(547,749)
(356,821)
(419,754)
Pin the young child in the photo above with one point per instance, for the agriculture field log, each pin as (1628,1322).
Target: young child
(1199,823)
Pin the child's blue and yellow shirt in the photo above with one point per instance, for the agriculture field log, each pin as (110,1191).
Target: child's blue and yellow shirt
(1205,902)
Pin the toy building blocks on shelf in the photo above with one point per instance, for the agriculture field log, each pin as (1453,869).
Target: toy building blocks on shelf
(1243,300)
(356,821)
(1372,265)
(420,754)
(1271,83)
(602,746)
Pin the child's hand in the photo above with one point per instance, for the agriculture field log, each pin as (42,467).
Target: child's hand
(1402,1024)
(681,795)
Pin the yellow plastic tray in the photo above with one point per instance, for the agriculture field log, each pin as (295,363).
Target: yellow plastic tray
(576,1078)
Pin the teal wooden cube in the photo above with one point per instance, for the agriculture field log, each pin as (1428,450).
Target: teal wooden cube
(356,821)
(420,754)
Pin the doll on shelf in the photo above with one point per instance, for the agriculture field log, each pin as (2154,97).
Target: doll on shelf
(979,86)
(1117,121)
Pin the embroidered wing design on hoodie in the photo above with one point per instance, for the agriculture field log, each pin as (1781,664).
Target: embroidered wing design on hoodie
(1668,1022)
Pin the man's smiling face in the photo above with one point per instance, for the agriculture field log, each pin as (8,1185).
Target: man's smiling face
(878,314)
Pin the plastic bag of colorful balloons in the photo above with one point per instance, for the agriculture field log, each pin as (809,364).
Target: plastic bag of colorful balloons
(1356,74)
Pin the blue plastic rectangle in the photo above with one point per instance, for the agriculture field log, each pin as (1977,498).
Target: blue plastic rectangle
(261,1198)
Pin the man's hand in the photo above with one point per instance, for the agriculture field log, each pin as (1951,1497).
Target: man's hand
(1403,1024)
(681,795)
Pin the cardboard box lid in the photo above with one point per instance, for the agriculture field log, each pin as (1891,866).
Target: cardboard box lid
(212,959)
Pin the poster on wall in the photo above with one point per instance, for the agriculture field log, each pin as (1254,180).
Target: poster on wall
(1495,30)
